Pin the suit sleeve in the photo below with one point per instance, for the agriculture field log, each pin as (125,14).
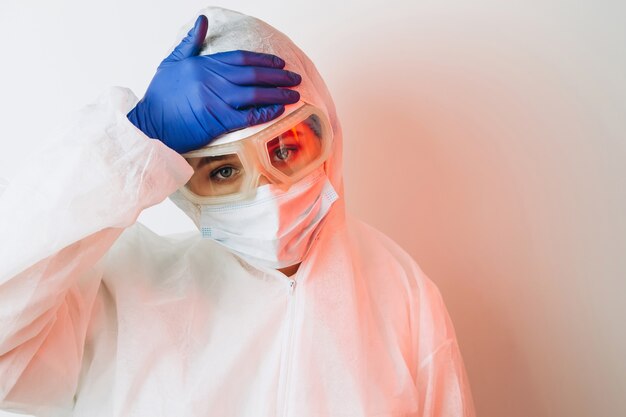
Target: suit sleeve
(441,379)
(58,217)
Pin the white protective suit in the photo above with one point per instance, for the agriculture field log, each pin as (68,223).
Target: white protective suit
(99,316)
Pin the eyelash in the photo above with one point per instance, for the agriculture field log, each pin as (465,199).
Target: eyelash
(290,148)
(214,174)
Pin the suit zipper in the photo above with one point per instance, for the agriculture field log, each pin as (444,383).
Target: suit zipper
(285,371)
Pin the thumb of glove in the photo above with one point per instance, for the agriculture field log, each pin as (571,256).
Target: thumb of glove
(192,43)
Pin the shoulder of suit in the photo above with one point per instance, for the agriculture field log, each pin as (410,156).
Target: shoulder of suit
(377,250)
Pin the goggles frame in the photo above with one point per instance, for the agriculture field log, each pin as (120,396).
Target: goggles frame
(255,159)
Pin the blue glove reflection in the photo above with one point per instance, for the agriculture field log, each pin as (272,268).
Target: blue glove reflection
(193,98)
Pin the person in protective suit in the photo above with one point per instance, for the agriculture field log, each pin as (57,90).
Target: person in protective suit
(282,305)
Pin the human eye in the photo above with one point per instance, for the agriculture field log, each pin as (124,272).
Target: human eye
(224,173)
(284,153)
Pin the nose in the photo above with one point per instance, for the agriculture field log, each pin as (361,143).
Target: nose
(263,180)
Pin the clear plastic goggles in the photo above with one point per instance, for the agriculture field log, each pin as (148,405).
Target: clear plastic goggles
(283,153)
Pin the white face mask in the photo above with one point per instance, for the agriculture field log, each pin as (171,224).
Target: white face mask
(275,228)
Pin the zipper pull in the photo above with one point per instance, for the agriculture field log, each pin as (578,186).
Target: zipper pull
(292,286)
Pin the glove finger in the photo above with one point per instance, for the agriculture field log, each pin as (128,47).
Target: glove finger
(221,115)
(250,75)
(192,43)
(243,97)
(263,114)
(242,58)
(230,120)
(259,76)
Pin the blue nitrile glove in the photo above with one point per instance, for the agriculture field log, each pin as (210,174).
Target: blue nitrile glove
(193,98)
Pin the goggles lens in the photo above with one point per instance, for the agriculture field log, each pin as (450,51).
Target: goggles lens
(218,175)
(297,148)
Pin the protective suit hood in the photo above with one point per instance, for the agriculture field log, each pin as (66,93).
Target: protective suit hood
(229,30)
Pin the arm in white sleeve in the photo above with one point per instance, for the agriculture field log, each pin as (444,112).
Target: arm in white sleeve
(442,383)
(60,215)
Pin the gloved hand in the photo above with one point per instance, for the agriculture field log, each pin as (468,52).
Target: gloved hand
(193,98)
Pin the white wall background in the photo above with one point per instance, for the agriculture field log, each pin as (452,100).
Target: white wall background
(488,138)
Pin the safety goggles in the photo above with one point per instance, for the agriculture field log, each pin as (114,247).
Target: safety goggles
(284,153)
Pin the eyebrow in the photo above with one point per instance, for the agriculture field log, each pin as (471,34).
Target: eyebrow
(208,159)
